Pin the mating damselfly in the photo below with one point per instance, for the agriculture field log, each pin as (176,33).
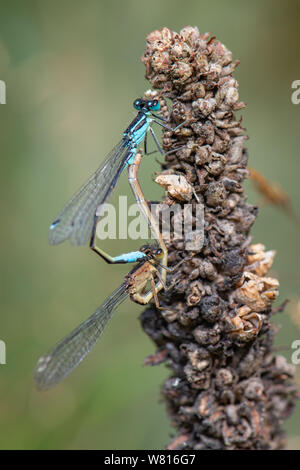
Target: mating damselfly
(76,220)
(53,367)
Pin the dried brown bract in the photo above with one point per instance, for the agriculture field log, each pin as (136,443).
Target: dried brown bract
(227,389)
(176,186)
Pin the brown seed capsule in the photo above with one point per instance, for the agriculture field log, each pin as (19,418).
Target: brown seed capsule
(203,107)
(256,292)
(180,50)
(206,336)
(211,308)
(207,270)
(216,166)
(224,377)
(215,194)
(246,324)
(176,186)
(195,293)
(254,389)
(160,62)
(260,261)
(181,72)
(203,155)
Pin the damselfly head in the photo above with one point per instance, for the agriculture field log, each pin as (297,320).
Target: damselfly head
(147,105)
(152,251)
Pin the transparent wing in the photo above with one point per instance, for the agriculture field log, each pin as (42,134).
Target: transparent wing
(76,219)
(68,353)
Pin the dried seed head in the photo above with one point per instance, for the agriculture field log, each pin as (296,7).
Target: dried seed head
(228,390)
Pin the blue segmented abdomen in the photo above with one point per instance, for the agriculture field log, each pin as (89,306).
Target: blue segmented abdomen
(132,257)
(130,159)
(54,224)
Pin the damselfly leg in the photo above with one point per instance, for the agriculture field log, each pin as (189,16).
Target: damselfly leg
(131,257)
(158,146)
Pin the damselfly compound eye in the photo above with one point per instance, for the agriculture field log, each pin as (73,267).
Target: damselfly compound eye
(154,105)
(138,104)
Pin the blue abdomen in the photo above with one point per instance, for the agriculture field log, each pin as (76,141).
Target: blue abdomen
(132,257)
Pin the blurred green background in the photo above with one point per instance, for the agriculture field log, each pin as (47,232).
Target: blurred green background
(72,71)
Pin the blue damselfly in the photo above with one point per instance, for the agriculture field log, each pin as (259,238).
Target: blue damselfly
(77,219)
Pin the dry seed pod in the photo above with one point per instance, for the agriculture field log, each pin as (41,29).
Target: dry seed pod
(256,292)
(177,186)
(260,261)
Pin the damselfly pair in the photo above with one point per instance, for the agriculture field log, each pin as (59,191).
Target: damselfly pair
(78,220)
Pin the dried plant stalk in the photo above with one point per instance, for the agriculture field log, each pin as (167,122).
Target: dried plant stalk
(228,390)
